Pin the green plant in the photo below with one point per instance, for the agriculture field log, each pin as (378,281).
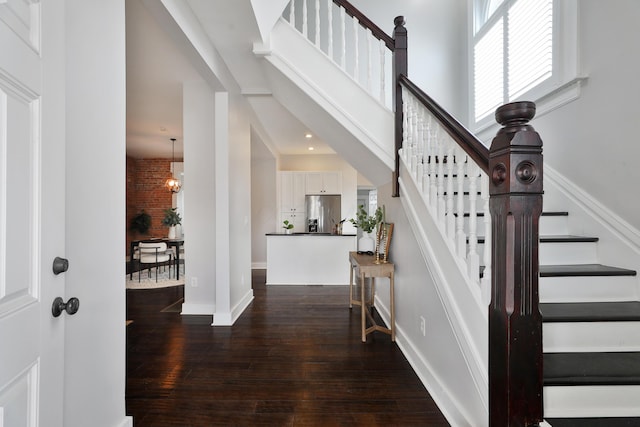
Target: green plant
(364,221)
(141,222)
(287,225)
(171,217)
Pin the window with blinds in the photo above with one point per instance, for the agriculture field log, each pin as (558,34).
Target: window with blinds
(512,51)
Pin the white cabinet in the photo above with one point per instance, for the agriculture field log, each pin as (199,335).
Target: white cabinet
(324,183)
(292,191)
(292,200)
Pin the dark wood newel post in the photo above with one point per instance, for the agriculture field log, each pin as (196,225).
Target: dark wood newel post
(515,323)
(400,67)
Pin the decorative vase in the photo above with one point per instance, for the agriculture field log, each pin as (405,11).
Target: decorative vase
(366,243)
(172,232)
(287,231)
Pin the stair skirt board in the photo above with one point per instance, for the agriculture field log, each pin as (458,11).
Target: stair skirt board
(591,401)
(591,337)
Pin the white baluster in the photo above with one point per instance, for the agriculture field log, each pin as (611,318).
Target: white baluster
(461,237)
(369,59)
(441,201)
(472,256)
(433,190)
(451,219)
(343,42)
(292,13)
(410,134)
(356,50)
(419,144)
(317,39)
(426,156)
(486,276)
(305,27)
(405,109)
(383,89)
(330,35)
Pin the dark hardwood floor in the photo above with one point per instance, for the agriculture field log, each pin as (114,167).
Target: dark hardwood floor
(294,358)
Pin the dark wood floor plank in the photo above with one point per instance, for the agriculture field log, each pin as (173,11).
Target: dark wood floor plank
(294,358)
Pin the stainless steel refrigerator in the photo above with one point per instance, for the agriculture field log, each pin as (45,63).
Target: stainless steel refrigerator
(323,213)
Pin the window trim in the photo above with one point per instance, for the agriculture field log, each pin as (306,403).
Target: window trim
(564,84)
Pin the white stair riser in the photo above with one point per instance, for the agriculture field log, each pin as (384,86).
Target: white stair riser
(588,289)
(553,225)
(591,401)
(549,225)
(568,253)
(590,337)
(563,253)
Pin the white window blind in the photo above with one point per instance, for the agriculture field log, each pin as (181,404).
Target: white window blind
(513,51)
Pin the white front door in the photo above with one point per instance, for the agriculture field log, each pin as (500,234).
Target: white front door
(31,211)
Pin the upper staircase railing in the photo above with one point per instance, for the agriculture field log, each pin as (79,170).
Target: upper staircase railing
(498,190)
(350,39)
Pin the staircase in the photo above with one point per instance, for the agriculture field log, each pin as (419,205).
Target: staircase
(591,313)
(591,333)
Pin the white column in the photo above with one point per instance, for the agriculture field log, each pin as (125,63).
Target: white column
(199,198)
(222,313)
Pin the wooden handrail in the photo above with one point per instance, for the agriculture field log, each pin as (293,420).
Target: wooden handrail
(366,23)
(467,141)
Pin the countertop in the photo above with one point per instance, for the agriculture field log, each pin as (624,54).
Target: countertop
(311,234)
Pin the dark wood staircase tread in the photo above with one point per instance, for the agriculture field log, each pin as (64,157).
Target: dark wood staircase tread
(625,311)
(567,239)
(593,422)
(572,369)
(466,214)
(570,270)
(559,239)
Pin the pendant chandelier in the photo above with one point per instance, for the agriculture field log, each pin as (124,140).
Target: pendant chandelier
(172,183)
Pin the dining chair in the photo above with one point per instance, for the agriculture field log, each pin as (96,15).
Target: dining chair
(153,253)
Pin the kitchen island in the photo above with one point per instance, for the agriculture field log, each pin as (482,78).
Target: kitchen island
(309,258)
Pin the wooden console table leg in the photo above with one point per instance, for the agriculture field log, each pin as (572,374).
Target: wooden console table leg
(363,308)
(393,309)
(350,285)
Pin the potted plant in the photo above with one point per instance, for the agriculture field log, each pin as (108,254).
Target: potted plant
(171,219)
(141,222)
(288,226)
(367,223)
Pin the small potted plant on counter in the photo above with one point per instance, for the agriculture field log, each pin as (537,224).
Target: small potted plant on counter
(171,219)
(367,223)
(288,226)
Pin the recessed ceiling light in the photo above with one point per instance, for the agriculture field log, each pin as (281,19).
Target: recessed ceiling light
(310,148)
(308,135)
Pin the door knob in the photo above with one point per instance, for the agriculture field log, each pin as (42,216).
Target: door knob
(60,265)
(71,306)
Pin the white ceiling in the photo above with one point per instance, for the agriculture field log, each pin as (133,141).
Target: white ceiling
(156,69)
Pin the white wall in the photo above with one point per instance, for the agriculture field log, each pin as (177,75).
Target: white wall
(199,200)
(436,357)
(263,200)
(593,140)
(437,52)
(329,162)
(95,206)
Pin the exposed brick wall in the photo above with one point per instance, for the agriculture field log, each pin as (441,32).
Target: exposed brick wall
(145,190)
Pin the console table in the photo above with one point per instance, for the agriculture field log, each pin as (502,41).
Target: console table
(365,267)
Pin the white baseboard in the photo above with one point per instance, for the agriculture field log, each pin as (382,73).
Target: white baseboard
(197,309)
(127,422)
(241,306)
(259,265)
